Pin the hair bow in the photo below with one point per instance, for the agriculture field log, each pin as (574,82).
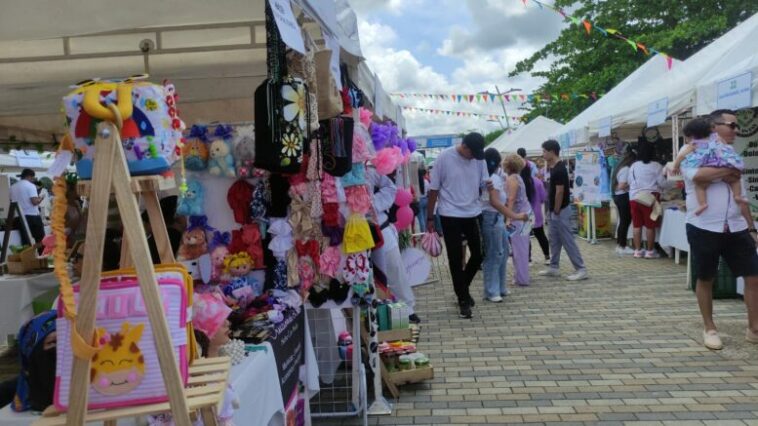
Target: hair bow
(223,131)
(198,131)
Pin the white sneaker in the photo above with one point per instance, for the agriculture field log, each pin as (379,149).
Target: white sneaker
(495,299)
(652,254)
(547,262)
(549,272)
(578,275)
(619,251)
(711,340)
(628,251)
(639,254)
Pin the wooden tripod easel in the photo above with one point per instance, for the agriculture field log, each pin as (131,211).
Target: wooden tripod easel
(111,174)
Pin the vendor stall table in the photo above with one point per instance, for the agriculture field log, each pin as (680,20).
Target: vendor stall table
(18,292)
(674,232)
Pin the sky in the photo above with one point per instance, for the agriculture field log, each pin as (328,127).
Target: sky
(452,46)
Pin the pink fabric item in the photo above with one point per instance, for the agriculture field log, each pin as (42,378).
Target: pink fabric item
(358,199)
(329,189)
(361,151)
(209,313)
(387,160)
(330,261)
(366,117)
(431,244)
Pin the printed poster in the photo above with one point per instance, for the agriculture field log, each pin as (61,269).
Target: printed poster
(587,178)
(746,145)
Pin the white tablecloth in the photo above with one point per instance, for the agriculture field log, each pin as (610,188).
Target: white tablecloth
(18,292)
(256,383)
(674,230)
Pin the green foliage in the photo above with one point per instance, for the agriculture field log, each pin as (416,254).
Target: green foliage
(584,63)
(491,136)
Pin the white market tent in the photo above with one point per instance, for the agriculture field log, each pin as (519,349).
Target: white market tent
(530,137)
(709,65)
(577,132)
(742,58)
(214,52)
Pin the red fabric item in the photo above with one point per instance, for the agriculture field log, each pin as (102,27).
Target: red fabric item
(309,248)
(331,215)
(248,239)
(239,197)
(346,101)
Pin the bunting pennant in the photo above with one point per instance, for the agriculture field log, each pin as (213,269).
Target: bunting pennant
(485,97)
(461,113)
(637,46)
(587,26)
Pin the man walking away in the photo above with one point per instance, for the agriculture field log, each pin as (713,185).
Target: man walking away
(561,235)
(458,176)
(24,193)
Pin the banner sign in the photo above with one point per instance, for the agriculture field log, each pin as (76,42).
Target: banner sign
(736,92)
(746,145)
(587,178)
(657,112)
(288,344)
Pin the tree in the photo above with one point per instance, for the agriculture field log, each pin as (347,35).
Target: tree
(491,136)
(585,63)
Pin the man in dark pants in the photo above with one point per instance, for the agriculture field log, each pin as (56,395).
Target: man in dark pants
(458,176)
(25,194)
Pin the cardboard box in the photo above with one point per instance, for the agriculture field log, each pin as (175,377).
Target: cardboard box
(25,262)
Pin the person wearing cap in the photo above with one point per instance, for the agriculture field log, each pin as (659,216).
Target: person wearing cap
(458,177)
(532,167)
(24,193)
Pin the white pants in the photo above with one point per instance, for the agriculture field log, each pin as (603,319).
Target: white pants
(388,260)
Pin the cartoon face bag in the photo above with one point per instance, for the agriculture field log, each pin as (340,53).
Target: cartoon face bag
(126,371)
(151,126)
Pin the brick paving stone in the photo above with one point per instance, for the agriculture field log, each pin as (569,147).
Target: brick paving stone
(619,348)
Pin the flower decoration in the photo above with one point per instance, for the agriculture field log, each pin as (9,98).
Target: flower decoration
(296,109)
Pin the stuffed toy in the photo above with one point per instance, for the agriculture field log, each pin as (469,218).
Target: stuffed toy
(194,244)
(219,252)
(191,203)
(195,149)
(244,151)
(242,289)
(221,162)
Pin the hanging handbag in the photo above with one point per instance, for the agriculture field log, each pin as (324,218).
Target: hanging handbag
(329,97)
(303,66)
(337,145)
(281,110)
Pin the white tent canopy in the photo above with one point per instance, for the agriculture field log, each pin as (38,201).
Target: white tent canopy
(213,52)
(711,63)
(577,131)
(530,137)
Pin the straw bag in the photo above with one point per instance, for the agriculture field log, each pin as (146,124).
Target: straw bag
(329,98)
(304,67)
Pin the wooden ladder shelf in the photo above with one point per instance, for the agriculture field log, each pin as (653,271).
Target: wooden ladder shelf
(207,383)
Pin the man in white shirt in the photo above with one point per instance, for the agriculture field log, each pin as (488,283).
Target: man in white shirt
(724,230)
(24,193)
(458,176)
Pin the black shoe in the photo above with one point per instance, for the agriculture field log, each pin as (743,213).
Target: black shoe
(465,311)
(413,318)
(471,301)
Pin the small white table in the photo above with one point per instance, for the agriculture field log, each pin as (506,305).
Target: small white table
(18,292)
(674,232)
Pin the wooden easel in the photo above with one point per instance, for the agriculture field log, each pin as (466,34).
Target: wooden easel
(14,210)
(209,376)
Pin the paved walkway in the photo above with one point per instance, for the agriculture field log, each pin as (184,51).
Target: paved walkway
(621,347)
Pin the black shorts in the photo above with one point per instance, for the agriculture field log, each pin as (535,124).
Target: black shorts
(738,250)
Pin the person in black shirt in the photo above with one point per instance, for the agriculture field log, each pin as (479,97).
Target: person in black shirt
(561,235)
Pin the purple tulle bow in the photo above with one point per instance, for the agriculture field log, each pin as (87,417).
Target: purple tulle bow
(199,132)
(221,239)
(223,131)
(200,222)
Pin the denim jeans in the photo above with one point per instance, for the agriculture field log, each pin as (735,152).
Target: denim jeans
(422,204)
(495,254)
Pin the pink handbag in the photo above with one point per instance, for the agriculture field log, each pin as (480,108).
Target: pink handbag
(431,244)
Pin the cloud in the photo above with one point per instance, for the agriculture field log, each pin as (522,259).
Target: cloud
(499,25)
(363,7)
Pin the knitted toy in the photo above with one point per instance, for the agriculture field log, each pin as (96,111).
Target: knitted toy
(221,162)
(242,289)
(194,244)
(219,252)
(191,203)
(195,149)
(244,150)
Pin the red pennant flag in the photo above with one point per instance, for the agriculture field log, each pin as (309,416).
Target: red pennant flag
(524,2)
(644,49)
(523,98)
(507,98)
(594,95)
(587,26)
(471,98)
(669,61)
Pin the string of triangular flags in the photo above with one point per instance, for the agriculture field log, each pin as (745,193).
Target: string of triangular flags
(461,113)
(493,97)
(588,26)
